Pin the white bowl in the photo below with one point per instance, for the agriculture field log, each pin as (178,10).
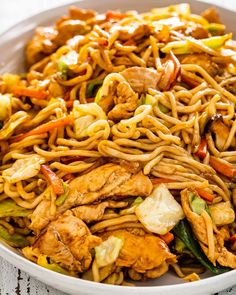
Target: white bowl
(12,60)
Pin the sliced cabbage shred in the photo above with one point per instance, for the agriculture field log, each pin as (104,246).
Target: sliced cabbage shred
(108,251)
(159,212)
(90,119)
(23,169)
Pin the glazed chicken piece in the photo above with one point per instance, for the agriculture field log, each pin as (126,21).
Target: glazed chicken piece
(107,181)
(142,259)
(134,31)
(42,44)
(90,213)
(211,15)
(68,242)
(140,79)
(47,39)
(222,255)
(204,61)
(41,216)
(125,102)
(120,103)
(70,28)
(81,14)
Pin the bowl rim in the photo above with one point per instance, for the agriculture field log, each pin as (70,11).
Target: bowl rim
(34,269)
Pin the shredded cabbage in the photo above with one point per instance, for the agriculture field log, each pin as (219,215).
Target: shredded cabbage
(108,251)
(23,169)
(89,119)
(159,212)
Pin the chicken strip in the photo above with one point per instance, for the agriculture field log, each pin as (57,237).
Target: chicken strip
(204,61)
(90,213)
(68,242)
(107,181)
(142,259)
(140,79)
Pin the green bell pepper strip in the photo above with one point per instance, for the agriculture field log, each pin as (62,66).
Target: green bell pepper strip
(8,208)
(61,199)
(183,231)
(91,86)
(184,46)
(42,261)
(215,29)
(14,240)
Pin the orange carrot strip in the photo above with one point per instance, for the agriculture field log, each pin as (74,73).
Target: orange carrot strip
(225,169)
(30,92)
(169,237)
(45,128)
(53,179)
(205,195)
(202,149)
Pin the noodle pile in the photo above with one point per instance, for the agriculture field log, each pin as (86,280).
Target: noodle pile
(152,92)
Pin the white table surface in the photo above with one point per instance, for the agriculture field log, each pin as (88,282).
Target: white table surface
(12,280)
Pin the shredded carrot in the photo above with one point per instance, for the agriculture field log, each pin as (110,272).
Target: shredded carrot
(205,195)
(161,180)
(169,237)
(45,128)
(202,149)
(224,168)
(53,179)
(30,92)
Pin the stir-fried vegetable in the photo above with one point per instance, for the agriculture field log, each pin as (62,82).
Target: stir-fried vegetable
(168,237)
(61,199)
(222,213)
(10,81)
(30,92)
(202,149)
(222,167)
(159,212)
(185,47)
(14,240)
(8,208)
(183,231)
(49,126)
(5,106)
(42,261)
(108,251)
(205,195)
(91,86)
(215,29)
(151,100)
(53,180)
(67,60)
(23,169)
(85,115)
(197,204)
